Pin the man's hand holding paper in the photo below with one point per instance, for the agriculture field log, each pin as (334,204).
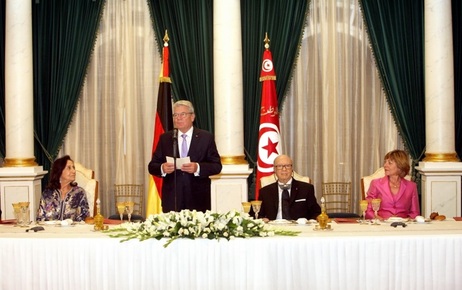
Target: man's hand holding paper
(180,162)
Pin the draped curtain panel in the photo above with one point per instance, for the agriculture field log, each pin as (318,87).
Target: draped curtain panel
(64,34)
(2,79)
(396,32)
(457,43)
(190,29)
(112,130)
(284,22)
(336,123)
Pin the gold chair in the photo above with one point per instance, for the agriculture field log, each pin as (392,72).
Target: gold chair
(337,198)
(85,179)
(267,180)
(131,192)
(366,180)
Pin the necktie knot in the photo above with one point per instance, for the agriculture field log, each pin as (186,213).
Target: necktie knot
(286,186)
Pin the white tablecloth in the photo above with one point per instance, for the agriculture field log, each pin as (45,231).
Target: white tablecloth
(420,256)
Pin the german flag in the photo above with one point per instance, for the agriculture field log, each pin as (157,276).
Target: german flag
(163,123)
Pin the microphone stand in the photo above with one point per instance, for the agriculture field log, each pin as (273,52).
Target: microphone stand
(175,153)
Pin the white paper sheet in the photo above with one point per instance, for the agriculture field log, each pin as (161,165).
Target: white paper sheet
(179,161)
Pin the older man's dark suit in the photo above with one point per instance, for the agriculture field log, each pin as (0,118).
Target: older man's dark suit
(303,202)
(192,192)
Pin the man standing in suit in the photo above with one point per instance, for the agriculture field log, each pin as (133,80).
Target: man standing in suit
(287,198)
(192,187)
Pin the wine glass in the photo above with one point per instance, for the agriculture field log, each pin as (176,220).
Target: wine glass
(375,207)
(363,205)
(121,210)
(17,213)
(256,205)
(129,208)
(246,206)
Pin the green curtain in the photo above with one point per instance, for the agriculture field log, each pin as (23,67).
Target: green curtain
(284,22)
(396,32)
(190,29)
(457,44)
(64,33)
(2,79)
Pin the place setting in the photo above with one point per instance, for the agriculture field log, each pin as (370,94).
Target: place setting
(363,204)
(57,223)
(394,221)
(298,222)
(256,206)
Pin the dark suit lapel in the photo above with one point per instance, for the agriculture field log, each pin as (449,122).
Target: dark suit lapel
(293,191)
(195,143)
(168,147)
(275,197)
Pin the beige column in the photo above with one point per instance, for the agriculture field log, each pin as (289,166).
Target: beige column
(20,177)
(229,188)
(440,169)
(439,82)
(19,115)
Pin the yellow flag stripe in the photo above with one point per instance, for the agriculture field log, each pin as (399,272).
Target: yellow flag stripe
(154,205)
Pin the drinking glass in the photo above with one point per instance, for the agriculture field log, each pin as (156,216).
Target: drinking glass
(24,216)
(363,205)
(17,213)
(246,206)
(121,209)
(129,208)
(375,207)
(256,205)
(22,213)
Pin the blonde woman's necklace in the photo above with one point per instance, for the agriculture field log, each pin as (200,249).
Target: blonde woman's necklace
(395,185)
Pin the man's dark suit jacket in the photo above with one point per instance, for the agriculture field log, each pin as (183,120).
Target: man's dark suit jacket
(192,192)
(303,202)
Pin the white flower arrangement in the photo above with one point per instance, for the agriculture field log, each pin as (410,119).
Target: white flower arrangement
(196,224)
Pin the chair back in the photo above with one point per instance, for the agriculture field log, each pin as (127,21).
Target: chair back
(337,197)
(267,180)
(130,192)
(85,179)
(366,180)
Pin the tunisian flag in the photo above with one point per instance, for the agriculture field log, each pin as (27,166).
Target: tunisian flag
(269,145)
(163,123)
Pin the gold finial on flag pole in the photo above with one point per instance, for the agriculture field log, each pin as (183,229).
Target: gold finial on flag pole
(166,39)
(266,41)
(165,70)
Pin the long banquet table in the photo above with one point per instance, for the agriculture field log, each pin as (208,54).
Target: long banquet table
(351,256)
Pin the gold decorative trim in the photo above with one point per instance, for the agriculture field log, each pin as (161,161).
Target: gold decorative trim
(19,162)
(441,157)
(268,78)
(233,160)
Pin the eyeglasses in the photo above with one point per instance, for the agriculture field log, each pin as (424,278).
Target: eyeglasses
(281,166)
(181,115)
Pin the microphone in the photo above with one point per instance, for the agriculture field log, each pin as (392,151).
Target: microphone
(175,134)
(175,156)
